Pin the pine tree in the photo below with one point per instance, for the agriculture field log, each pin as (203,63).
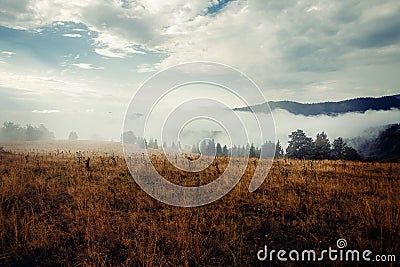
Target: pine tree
(155,144)
(252,151)
(278,150)
(322,147)
(225,151)
(300,146)
(338,149)
(73,136)
(219,149)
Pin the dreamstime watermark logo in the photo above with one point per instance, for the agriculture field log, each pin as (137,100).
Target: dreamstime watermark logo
(330,254)
(183,101)
(341,243)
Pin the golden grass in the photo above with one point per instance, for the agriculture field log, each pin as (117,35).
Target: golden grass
(55,212)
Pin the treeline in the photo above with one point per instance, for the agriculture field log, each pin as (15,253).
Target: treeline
(14,132)
(210,147)
(130,138)
(300,146)
(385,147)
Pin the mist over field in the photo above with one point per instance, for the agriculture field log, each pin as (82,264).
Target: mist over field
(348,125)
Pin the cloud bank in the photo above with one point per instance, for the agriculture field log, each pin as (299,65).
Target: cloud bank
(344,49)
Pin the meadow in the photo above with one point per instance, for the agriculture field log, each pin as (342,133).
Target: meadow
(58,209)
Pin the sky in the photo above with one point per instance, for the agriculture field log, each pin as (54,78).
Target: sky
(75,65)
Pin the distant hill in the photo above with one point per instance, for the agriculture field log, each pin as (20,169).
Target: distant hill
(330,108)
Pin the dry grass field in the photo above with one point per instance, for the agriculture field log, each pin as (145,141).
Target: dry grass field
(55,210)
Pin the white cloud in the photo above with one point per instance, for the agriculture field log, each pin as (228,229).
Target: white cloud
(313,8)
(39,84)
(23,80)
(264,39)
(46,111)
(8,53)
(238,36)
(144,68)
(113,46)
(87,66)
(73,35)
(29,14)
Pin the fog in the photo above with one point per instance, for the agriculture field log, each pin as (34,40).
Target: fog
(347,125)
(109,127)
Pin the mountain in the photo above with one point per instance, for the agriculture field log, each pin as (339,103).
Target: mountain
(330,108)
